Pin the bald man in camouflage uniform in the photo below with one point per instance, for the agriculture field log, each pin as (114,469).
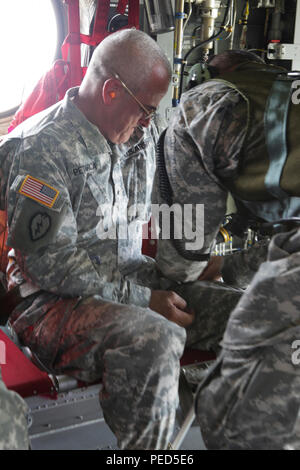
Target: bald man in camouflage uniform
(76,182)
(13,422)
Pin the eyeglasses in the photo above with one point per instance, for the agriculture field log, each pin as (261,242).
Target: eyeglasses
(148,114)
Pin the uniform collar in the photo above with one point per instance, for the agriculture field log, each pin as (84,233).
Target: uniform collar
(89,132)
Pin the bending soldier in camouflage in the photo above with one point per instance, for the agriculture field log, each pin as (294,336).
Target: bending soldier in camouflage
(77,181)
(216,143)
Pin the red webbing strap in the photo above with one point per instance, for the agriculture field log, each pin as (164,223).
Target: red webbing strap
(122,4)
(133,11)
(100,32)
(72,42)
(100,25)
(101,18)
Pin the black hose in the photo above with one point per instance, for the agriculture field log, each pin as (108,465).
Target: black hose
(167,195)
(212,38)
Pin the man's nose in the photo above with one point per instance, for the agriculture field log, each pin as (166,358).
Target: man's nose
(145,121)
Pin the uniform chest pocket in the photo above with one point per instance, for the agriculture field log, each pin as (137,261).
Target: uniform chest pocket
(101,190)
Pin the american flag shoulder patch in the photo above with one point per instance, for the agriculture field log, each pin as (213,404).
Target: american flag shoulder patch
(39,191)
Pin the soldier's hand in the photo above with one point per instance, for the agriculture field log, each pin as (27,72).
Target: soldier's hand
(172,306)
(212,272)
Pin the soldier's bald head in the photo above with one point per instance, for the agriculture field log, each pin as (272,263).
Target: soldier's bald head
(130,53)
(126,79)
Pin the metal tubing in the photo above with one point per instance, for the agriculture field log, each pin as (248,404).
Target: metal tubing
(178,41)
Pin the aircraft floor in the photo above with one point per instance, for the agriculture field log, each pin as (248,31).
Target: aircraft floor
(74,421)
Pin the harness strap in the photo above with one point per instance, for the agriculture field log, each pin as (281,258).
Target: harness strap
(133,11)
(122,4)
(71,44)
(100,25)
(275,122)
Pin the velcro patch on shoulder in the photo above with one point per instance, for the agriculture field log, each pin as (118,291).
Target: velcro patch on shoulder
(39,191)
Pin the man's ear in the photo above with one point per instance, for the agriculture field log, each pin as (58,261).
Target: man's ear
(214,72)
(110,91)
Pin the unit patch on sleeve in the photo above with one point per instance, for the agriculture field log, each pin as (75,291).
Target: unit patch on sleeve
(39,191)
(39,225)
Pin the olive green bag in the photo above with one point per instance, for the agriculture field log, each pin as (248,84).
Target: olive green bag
(268,177)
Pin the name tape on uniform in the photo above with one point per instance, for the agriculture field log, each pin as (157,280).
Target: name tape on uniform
(39,191)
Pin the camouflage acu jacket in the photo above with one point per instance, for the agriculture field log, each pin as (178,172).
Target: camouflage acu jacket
(202,147)
(76,204)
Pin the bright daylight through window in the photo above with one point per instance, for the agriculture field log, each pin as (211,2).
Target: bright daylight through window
(28,39)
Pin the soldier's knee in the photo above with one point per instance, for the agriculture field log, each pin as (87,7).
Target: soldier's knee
(170,340)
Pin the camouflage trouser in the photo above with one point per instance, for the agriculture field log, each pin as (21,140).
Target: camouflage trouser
(212,302)
(134,350)
(250,399)
(13,422)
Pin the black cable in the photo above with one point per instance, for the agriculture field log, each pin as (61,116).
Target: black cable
(212,38)
(167,194)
